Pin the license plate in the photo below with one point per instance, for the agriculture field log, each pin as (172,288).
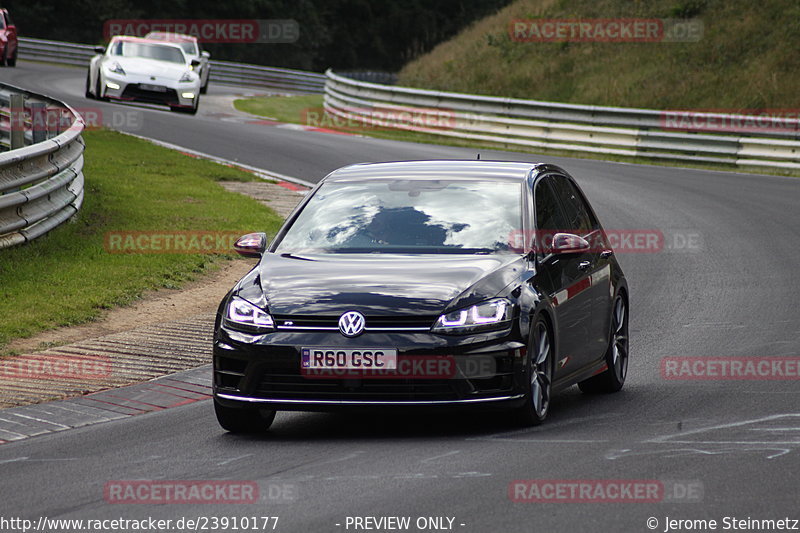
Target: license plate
(154,88)
(349,359)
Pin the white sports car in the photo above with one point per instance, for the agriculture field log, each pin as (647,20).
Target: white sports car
(144,70)
(192,51)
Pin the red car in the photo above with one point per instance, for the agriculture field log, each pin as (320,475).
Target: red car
(8,40)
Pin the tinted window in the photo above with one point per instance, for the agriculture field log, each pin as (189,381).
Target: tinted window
(548,212)
(407,216)
(578,217)
(189,48)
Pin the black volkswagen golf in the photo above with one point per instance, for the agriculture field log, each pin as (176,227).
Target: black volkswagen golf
(420,284)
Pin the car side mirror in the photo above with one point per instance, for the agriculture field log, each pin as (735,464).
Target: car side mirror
(251,245)
(568,243)
(100,49)
(195,63)
(205,54)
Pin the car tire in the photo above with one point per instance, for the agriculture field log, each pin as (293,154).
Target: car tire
(204,88)
(12,61)
(243,420)
(195,107)
(616,358)
(4,59)
(98,88)
(539,375)
(88,93)
(190,110)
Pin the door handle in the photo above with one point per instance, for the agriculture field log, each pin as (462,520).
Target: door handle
(606,253)
(584,265)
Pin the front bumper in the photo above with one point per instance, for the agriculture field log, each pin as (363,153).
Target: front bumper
(138,88)
(268,372)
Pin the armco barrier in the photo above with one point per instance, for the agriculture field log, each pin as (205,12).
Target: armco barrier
(279,79)
(580,128)
(41,167)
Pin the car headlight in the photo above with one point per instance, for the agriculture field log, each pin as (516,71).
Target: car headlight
(245,316)
(186,78)
(116,68)
(494,314)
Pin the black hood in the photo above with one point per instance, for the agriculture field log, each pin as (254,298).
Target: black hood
(378,284)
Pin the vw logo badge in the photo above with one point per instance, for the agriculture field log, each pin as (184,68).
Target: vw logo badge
(351,324)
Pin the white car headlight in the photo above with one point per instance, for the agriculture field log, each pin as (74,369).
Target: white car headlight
(116,68)
(243,315)
(186,78)
(494,314)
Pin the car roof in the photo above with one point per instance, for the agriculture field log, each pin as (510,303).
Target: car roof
(439,169)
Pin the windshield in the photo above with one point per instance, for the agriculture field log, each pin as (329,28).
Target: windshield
(407,216)
(149,51)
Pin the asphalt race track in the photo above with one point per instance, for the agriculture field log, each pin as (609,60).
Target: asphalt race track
(725,284)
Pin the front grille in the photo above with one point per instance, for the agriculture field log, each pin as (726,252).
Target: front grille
(299,388)
(373,323)
(284,380)
(133,91)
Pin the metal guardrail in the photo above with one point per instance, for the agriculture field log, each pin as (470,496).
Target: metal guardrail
(297,81)
(226,72)
(371,76)
(513,122)
(41,167)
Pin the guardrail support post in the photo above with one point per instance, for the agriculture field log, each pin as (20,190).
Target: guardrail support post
(17,119)
(53,123)
(39,121)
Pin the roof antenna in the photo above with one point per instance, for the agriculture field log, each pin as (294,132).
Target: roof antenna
(479,156)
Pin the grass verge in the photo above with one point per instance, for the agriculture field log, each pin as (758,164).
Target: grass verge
(307,110)
(67,277)
(737,61)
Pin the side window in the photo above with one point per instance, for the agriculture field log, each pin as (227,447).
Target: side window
(578,216)
(548,211)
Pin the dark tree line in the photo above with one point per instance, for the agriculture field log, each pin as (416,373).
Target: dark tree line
(343,34)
